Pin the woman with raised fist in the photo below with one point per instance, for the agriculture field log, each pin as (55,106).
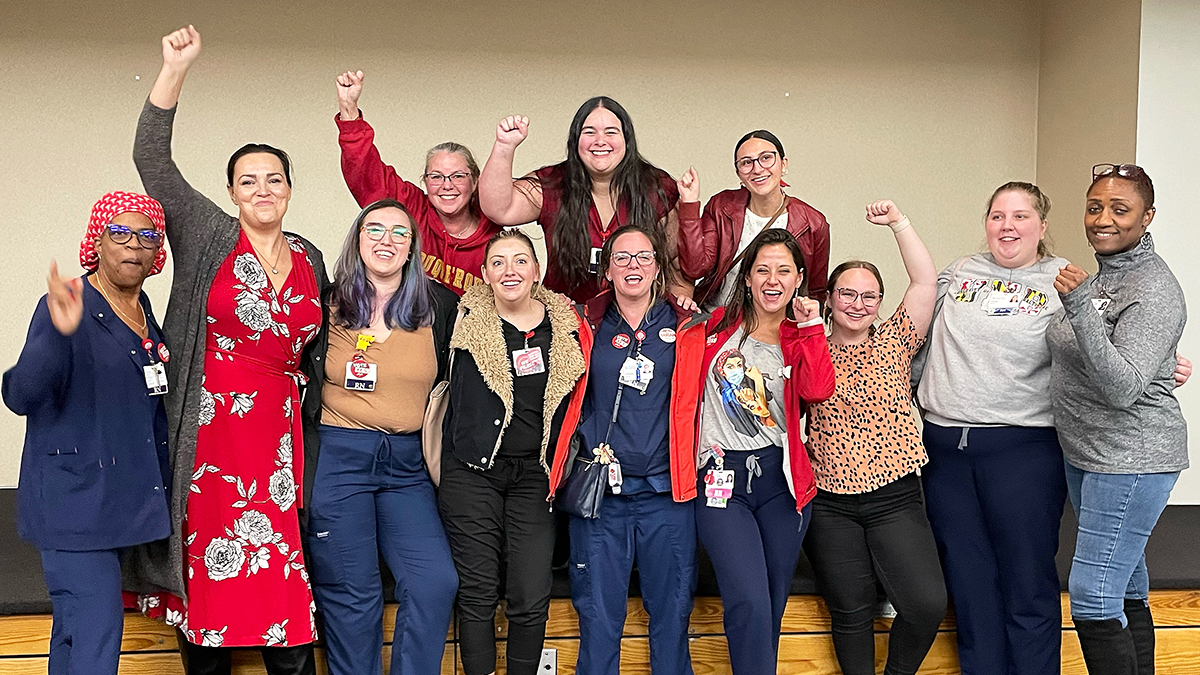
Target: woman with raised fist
(245,302)
(602,184)
(454,232)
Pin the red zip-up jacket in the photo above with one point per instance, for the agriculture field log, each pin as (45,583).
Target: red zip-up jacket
(686,381)
(810,378)
(708,243)
(453,262)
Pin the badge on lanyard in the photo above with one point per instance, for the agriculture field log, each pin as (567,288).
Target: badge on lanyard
(360,375)
(155,374)
(1100,304)
(718,483)
(528,361)
(636,372)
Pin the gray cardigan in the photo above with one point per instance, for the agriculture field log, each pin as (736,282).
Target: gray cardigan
(1113,361)
(201,237)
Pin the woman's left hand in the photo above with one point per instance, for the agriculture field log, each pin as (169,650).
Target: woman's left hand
(1069,278)
(1183,369)
(805,309)
(884,212)
(686,303)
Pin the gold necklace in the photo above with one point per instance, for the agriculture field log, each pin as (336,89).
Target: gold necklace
(100,284)
(278,256)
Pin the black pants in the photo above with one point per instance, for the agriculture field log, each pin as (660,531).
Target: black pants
(496,517)
(884,534)
(197,660)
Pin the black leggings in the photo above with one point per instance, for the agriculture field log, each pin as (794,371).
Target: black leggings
(499,518)
(884,534)
(197,660)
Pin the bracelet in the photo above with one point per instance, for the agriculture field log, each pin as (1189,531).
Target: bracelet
(900,225)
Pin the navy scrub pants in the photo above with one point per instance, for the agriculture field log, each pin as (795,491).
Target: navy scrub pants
(661,534)
(85,591)
(995,496)
(372,495)
(754,544)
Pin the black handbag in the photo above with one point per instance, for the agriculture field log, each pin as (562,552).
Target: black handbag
(583,491)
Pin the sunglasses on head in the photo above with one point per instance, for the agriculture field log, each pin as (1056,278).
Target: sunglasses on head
(1131,171)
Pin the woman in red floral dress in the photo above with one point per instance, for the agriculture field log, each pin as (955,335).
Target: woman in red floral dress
(245,302)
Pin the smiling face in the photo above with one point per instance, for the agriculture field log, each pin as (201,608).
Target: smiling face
(450,197)
(511,269)
(1116,216)
(854,317)
(635,282)
(601,143)
(126,265)
(760,181)
(773,279)
(385,258)
(260,189)
(1014,229)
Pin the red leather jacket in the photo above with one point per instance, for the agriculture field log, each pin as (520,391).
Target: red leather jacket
(810,379)
(708,244)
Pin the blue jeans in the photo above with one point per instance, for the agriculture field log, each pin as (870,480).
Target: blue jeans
(1116,514)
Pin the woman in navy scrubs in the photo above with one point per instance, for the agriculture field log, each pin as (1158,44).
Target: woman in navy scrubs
(645,366)
(90,381)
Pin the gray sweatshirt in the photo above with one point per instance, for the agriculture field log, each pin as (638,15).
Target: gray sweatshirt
(988,361)
(1112,381)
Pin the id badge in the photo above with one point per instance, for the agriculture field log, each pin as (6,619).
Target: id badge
(1100,304)
(1004,300)
(360,375)
(156,378)
(718,487)
(637,372)
(528,361)
(594,261)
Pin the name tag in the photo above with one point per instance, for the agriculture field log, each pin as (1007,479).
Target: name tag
(718,487)
(594,261)
(156,378)
(1100,304)
(360,375)
(528,361)
(1004,300)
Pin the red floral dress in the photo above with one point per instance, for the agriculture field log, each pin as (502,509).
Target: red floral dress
(247,584)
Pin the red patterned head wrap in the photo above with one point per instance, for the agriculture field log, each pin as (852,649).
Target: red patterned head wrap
(108,207)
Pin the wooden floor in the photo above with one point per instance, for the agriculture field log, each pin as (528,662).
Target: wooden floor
(805,648)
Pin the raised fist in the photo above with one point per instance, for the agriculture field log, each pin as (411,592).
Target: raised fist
(512,130)
(181,48)
(883,212)
(689,185)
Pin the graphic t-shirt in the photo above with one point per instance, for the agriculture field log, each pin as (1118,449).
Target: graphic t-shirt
(743,396)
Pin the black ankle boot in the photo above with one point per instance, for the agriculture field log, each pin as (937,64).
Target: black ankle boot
(1107,647)
(1141,627)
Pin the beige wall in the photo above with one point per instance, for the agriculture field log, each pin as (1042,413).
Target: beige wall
(930,103)
(1087,107)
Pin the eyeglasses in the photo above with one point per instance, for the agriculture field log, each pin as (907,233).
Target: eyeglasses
(457,178)
(1131,171)
(849,295)
(766,160)
(623,259)
(375,231)
(146,238)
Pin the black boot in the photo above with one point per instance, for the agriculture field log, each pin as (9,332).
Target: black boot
(199,660)
(1141,627)
(1107,647)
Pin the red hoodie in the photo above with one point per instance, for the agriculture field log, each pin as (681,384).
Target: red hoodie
(453,262)
(810,379)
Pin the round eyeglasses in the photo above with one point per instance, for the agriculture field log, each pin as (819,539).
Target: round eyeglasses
(766,160)
(146,238)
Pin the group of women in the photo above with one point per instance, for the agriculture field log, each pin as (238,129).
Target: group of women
(293,433)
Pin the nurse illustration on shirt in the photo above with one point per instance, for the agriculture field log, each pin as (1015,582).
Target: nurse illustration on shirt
(744,395)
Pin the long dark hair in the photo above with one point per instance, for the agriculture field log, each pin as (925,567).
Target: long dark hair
(634,182)
(353,300)
(740,307)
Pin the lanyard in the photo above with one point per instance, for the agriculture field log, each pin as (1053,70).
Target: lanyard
(635,350)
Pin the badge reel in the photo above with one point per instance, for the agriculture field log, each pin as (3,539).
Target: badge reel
(528,361)
(360,375)
(718,482)
(637,371)
(155,374)
(604,455)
